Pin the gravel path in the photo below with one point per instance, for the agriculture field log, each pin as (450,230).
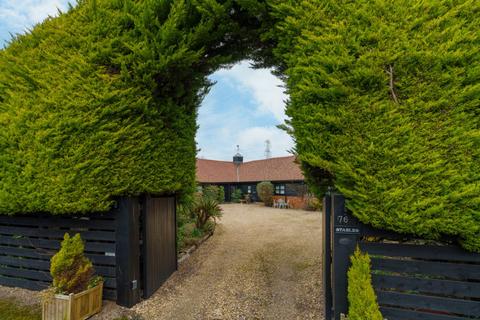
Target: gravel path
(261,263)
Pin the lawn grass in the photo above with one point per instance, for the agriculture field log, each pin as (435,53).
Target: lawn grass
(10,310)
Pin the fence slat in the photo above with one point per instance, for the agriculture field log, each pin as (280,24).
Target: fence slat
(28,242)
(53,244)
(25,262)
(56,233)
(446,253)
(457,271)
(108,223)
(26,273)
(23,283)
(403,314)
(417,301)
(47,254)
(427,286)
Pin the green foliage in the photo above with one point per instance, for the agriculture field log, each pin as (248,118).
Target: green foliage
(102,100)
(214,192)
(361,297)
(313,204)
(265,192)
(221,194)
(205,209)
(185,219)
(12,310)
(71,271)
(196,218)
(236,195)
(384,104)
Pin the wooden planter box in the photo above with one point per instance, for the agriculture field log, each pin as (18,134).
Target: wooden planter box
(78,306)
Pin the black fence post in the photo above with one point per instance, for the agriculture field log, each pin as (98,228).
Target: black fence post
(128,251)
(327,254)
(346,231)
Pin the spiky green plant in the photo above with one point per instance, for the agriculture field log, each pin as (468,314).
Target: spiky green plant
(362,301)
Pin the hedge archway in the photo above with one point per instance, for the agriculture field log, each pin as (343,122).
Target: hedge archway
(101,101)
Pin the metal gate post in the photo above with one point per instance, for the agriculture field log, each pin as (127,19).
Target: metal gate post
(327,255)
(128,251)
(346,231)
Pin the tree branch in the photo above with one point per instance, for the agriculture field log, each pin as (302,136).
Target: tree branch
(392,84)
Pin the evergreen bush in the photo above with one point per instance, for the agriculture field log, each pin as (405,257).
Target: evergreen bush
(210,191)
(385,105)
(236,195)
(71,271)
(102,100)
(265,192)
(221,194)
(362,301)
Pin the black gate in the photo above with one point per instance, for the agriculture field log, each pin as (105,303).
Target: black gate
(411,280)
(159,242)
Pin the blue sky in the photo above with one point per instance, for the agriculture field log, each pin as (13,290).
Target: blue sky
(242,108)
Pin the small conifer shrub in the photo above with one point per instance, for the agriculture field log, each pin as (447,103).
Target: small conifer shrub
(71,271)
(265,192)
(361,297)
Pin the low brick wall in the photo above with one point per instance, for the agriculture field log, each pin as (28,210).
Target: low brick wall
(295,202)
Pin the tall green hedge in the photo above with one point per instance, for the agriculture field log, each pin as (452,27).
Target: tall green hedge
(385,102)
(102,100)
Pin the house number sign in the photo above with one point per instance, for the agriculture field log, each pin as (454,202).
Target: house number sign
(346,224)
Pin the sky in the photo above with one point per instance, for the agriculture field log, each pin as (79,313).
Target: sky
(243,107)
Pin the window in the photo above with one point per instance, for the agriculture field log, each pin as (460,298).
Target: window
(249,189)
(280,189)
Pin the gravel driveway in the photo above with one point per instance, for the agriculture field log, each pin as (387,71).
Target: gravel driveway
(261,263)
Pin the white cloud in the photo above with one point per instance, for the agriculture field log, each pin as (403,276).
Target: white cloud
(252,142)
(17,16)
(266,89)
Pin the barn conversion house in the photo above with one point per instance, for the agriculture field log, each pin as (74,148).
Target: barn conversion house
(283,172)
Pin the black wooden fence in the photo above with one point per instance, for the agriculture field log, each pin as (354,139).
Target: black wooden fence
(411,281)
(112,242)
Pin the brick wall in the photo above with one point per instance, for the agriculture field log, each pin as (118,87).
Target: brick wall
(295,202)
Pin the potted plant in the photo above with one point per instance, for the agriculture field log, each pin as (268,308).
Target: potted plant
(76,294)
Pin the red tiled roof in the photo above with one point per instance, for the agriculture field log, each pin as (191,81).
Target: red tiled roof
(274,169)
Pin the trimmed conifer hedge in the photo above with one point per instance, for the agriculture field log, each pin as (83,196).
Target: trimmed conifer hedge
(102,101)
(384,102)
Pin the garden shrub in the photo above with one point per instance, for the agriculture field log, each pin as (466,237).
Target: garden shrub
(384,104)
(185,219)
(236,195)
(221,194)
(205,209)
(265,192)
(210,191)
(209,226)
(71,271)
(362,300)
(195,218)
(312,203)
(214,192)
(102,100)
